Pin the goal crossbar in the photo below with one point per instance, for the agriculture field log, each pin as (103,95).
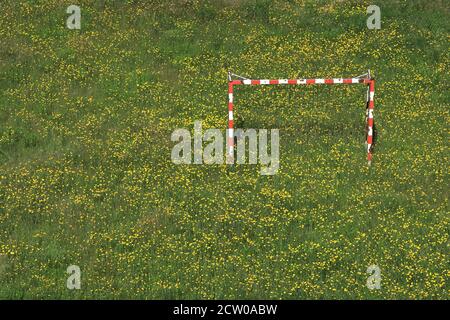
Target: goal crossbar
(366,80)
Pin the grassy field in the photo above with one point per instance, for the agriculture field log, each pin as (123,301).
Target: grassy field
(86,177)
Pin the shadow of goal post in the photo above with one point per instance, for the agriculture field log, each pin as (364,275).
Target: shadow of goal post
(365,79)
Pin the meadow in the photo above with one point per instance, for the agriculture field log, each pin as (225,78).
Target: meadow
(86,176)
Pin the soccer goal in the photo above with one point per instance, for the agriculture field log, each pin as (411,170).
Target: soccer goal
(366,79)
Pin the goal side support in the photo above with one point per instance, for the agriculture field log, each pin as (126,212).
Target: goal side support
(370,82)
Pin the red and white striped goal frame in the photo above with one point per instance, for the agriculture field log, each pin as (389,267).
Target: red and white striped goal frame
(368,80)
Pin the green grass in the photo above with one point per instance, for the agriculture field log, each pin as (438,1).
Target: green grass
(86,176)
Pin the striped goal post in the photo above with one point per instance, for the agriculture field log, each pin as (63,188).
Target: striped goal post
(363,79)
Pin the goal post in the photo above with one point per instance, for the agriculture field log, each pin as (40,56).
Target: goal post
(365,79)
